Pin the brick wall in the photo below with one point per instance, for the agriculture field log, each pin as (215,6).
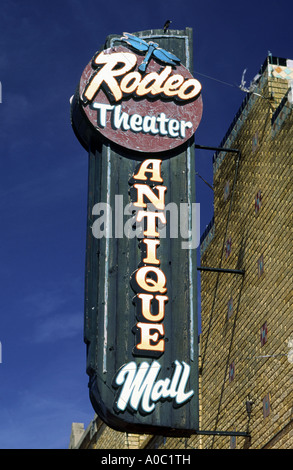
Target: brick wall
(247,321)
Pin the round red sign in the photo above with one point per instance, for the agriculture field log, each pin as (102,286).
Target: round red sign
(139,102)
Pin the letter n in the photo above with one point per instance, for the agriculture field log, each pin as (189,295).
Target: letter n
(144,191)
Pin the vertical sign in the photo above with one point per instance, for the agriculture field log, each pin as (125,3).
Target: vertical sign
(135,110)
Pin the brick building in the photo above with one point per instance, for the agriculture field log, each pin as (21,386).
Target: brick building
(246,344)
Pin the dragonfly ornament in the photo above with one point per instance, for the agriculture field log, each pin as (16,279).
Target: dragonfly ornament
(151,49)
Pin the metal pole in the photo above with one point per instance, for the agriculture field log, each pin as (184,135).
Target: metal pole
(219,149)
(223,433)
(221,270)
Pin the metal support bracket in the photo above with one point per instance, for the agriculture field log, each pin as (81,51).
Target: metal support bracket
(221,270)
(219,149)
(223,433)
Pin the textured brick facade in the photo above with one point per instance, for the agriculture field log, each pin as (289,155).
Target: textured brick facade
(246,382)
(247,320)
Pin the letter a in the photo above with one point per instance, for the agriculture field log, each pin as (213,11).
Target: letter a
(149,166)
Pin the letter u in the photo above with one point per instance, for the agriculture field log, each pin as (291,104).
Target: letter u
(145,308)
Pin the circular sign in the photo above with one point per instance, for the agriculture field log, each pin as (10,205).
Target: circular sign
(139,102)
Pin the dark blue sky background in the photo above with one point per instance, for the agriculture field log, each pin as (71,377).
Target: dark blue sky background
(44,47)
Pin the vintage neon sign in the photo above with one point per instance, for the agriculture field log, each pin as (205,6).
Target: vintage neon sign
(139,96)
(124,95)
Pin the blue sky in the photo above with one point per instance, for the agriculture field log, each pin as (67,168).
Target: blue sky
(44,47)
